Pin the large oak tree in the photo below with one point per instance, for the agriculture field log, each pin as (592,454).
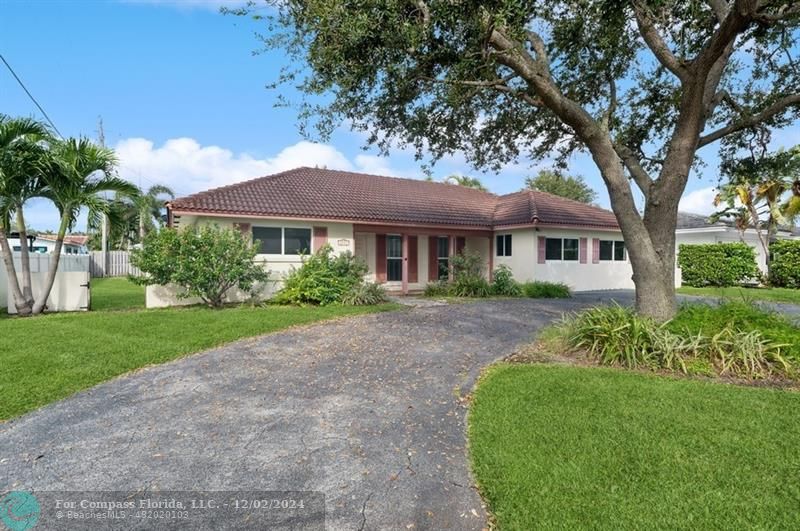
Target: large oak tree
(641,86)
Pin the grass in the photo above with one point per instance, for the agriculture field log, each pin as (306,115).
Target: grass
(710,319)
(47,358)
(785,295)
(116,294)
(574,447)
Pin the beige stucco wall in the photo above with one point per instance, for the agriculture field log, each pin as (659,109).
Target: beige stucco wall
(340,237)
(579,277)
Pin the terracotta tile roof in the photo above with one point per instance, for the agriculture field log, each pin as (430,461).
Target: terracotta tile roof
(72,239)
(339,195)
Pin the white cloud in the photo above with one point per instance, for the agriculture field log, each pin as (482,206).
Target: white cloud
(699,201)
(188,167)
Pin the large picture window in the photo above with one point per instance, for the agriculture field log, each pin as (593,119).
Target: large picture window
(562,249)
(394,258)
(612,250)
(282,240)
(443,257)
(503,244)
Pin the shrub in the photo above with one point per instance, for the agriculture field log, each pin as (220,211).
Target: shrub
(324,278)
(717,264)
(539,289)
(468,276)
(439,288)
(503,282)
(784,269)
(365,294)
(205,262)
(618,336)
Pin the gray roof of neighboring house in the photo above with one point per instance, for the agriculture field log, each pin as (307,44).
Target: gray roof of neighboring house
(687,220)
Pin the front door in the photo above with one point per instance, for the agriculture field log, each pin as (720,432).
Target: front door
(394,258)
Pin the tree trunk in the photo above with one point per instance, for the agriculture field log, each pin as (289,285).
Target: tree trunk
(20,303)
(41,301)
(25,259)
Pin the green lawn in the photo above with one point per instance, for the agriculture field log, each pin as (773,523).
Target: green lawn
(757,294)
(116,294)
(43,359)
(576,448)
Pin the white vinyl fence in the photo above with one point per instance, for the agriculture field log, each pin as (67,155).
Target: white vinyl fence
(71,288)
(119,264)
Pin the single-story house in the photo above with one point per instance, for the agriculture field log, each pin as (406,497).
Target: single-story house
(698,229)
(407,229)
(46,243)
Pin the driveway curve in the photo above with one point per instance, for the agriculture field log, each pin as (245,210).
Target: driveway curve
(369,410)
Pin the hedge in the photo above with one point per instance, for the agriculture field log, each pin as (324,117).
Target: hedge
(784,269)
(717,264)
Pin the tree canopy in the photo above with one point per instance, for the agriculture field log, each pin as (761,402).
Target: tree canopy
(560,184)
(466,180)
(639,85)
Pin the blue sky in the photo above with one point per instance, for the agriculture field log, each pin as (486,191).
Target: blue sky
(183,99)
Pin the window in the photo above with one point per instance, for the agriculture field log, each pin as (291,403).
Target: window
(503,245)
(394,258)
(553,249)
(443,256)
(278,240)
(270,238)
(561,249)
(612,250)
(296,241)
(571,249)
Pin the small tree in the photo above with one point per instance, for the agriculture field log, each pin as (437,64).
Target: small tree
(560,184)
(206,262)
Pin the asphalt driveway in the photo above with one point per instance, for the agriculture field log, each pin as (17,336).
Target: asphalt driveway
(367,410)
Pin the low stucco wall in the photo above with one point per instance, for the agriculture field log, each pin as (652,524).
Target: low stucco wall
(166,296)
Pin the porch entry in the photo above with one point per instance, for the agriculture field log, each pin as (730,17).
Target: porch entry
(397,257)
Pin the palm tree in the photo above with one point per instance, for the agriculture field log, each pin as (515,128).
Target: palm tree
(23,151)
(78,173)
(465,180)
(149,206)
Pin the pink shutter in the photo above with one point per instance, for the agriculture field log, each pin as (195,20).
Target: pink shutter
(320,237)
(461,242)
(413,259)
(380,258)
(244,228)
(582,250)
(433,261)
(542,249)
(596,250)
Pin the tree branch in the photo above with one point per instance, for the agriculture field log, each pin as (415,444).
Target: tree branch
(634,167)
(741,13)
(720,8)
(749,121)
(656,43)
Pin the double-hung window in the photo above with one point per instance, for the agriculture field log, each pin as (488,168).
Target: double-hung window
(612,250)
(562,249)
(503,244)
(282,240)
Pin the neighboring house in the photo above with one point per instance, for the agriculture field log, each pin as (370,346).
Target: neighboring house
(407,229)
(46,243)
(697,229)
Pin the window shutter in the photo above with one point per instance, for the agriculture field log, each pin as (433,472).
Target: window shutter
(582,250)
(413,265)
(320,237)
(542,250)
(461,242)
(433,263)
(244,228)
(380,258)
(596,250)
